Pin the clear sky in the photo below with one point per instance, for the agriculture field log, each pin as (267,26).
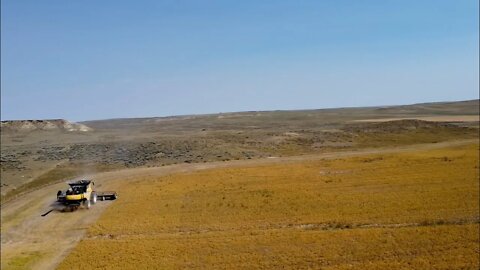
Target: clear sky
(91,59)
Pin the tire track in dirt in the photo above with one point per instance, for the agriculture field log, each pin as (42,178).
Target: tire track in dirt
(50,238)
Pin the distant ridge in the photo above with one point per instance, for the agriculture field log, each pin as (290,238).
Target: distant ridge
(471,106)
(451,108)
(42,125)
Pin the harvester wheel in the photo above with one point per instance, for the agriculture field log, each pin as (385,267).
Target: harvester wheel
(86,203)
(94,197)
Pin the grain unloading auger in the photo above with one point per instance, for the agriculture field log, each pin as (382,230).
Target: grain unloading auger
(82,193)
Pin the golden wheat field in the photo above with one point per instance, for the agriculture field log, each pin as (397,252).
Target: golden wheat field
(411,210)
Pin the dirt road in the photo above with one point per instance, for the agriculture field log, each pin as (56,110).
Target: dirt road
(36,242)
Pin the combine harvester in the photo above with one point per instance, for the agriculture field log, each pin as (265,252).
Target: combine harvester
(82,193)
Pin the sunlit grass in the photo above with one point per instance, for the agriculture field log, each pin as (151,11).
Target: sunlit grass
(23,261)
(408,210)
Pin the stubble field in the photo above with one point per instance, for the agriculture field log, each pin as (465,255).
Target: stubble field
(417,209)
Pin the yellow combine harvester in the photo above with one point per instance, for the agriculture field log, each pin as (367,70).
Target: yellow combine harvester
(81,192)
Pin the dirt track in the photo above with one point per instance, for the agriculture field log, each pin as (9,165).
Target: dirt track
(45,241)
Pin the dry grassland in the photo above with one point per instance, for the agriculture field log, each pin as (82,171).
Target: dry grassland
(392,211)
(443,118)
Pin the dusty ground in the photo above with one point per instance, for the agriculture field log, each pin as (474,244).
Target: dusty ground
(35,242)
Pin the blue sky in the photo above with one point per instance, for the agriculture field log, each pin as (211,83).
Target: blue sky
(83,60)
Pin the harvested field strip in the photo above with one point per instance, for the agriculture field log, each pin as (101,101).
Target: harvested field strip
(430,247)
(415,209)
(311,226)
